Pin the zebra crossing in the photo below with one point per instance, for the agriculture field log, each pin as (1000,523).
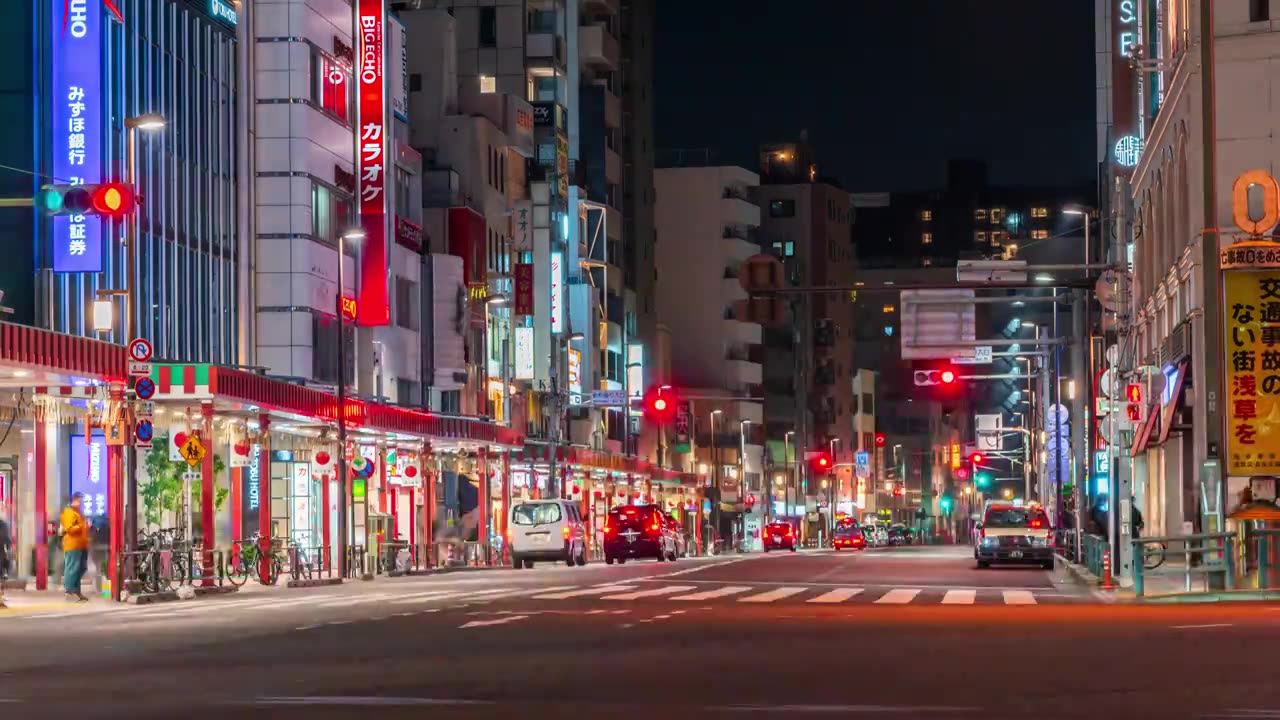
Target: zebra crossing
(808,594)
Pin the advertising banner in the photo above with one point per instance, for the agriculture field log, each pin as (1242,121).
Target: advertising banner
(371,162)
(523,289)
(398,60)
(1252,365)
(89,473)
(524,353)
(557,292)
(75,136)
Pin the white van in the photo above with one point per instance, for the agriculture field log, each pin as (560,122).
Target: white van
(547,530)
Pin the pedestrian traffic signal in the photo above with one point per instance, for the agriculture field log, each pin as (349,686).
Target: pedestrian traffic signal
(928,378)
(751,502)
(113,200)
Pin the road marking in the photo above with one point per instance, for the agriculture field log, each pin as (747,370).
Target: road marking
(1201,627)
(898,596)
(1019,597)
(339,622)
(363,701)
(700,569)
(773,595)
(424,597)
(487,623)
(836,596)
(353,599)
(579,593)
(959,597)
(848,709)
(709,594)
(665,590)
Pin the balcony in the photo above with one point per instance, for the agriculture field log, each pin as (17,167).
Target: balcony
(738,208)
(612,109)
(612,167)
(743,372)
(741,332)
(545,46)
(597,48)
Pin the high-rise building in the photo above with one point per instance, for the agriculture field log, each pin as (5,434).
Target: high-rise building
(809,364)
(708,224)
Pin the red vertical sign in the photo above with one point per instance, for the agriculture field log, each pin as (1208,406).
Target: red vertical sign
(524,289)
(371,157)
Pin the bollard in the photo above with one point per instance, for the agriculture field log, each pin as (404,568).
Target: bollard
(1106,569)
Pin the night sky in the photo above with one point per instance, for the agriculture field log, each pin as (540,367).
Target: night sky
(888,89)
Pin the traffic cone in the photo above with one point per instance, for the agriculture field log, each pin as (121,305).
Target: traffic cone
(1106,569)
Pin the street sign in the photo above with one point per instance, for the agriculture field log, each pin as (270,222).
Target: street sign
(609,398)
(192,451)
(146,409)
(139,369)
(142,433)
(982,355)
(862,461)
(145,388)
(140,350)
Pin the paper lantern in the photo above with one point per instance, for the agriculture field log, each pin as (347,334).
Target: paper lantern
(322,458)
(411,471)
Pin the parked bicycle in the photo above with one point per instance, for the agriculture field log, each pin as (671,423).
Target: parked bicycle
(246,559)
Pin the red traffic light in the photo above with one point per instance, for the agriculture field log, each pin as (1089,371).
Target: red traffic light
(658,407)
(948,377)
(112,199)
(880,439)
(898,491)
(659,404)
(962,473)
(976,458)
(1133,393)
(1134,411)
(824,462)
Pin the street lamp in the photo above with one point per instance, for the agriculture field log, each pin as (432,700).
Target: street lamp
(353,235)
(148,122)
(715,462)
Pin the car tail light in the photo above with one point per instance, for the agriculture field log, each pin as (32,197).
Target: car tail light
(565,531)
(1037,524)
(608,529)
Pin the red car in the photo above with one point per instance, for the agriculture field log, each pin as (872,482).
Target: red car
(849,537)
(778,536)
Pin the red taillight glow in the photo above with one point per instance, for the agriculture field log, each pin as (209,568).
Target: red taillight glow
(1037,524)
(630,511)
(608,529)
(565,531)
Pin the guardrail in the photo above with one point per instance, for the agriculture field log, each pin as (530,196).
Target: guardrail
(1207,554)
(309,563)
(1268,556)
(144,572)
(1095,549)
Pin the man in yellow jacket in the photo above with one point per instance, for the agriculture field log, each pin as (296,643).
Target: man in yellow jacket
(75,548)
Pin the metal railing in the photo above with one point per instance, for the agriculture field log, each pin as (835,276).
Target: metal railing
(1094,549)
(153,571)
(1268,554)
(1208,554)
(310,563)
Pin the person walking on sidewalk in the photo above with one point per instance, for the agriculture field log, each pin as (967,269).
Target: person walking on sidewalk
(6,548)
(75,548)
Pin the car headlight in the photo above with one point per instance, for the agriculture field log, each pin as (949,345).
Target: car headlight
(1039,542)
(990,541)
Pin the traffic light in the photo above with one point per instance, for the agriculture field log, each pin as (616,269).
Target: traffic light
(659,406)
(1133,398)
(982,479)
(962,473)
(945,503)
(113,200)
(898,491)
(820,462)
(976,458)
(880,440)
(929,378)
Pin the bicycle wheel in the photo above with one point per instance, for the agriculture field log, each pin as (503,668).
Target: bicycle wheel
(276,568)
(1152,561)
(238,570)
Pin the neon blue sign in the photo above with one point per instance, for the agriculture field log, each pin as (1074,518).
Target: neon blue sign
(224,11)
(76,132)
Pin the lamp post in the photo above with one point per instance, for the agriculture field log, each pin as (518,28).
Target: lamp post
(353,235)
(715,474)
(148,122)
(743,487)
(787,504)
(557,407)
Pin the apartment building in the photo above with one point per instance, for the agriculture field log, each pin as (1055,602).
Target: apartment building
(708,222)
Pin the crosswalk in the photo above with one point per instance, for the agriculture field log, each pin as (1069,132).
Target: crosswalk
(402,599)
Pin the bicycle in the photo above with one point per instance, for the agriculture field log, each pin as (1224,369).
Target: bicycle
(246,558)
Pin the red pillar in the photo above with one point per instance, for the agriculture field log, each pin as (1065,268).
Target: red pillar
(236,500)
(207,520)
(413,510)
(425,463)
(382,478)
(326,480)
(505,520)
(115,498)
(486,509)
(42,500)
(264,494)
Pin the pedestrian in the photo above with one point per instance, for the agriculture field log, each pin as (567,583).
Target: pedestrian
(6,550)
(75,548)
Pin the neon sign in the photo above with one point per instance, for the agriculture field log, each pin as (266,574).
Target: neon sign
(557,292)
(224,11)
(350,309)
(371,158)
(76,131)
(1127,151)
(1128,17)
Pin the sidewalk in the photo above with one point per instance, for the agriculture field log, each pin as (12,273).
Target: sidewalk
(23,602)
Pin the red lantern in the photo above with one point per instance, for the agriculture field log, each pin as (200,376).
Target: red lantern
(599,495)
(322,458)
(576,489)
(411,471)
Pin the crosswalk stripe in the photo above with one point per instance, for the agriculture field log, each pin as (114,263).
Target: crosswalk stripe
(898,596)
(353,599)
(581,593)
(664,590)
(709,594)
(423,597)
(1019,597)
(772,595)
(836,596)
(959,597)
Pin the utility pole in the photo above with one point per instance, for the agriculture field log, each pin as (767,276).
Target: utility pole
(1211,472)
(1078,424)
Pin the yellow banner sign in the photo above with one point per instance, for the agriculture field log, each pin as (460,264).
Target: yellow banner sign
(1252,364)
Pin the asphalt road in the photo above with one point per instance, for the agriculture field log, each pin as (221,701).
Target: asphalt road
(916,632)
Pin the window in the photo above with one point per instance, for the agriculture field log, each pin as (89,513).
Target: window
(887,309)
(330,86)
(488,27)
(406,303)
(927,262)
(782,208)
(926,215)
(536,514)
(980,236)
(1259,10)
(926,238)
(868,404)
(404,205)
(1039,212)
(997,215)
(980,214)
(331,213)
(1039,234)
(998,237)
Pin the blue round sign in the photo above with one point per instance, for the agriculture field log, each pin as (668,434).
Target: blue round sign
(144,431)
(145,388)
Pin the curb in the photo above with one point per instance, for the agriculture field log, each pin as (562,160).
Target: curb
(313,582)
(1090,581)
(172,595)
(1210,597)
